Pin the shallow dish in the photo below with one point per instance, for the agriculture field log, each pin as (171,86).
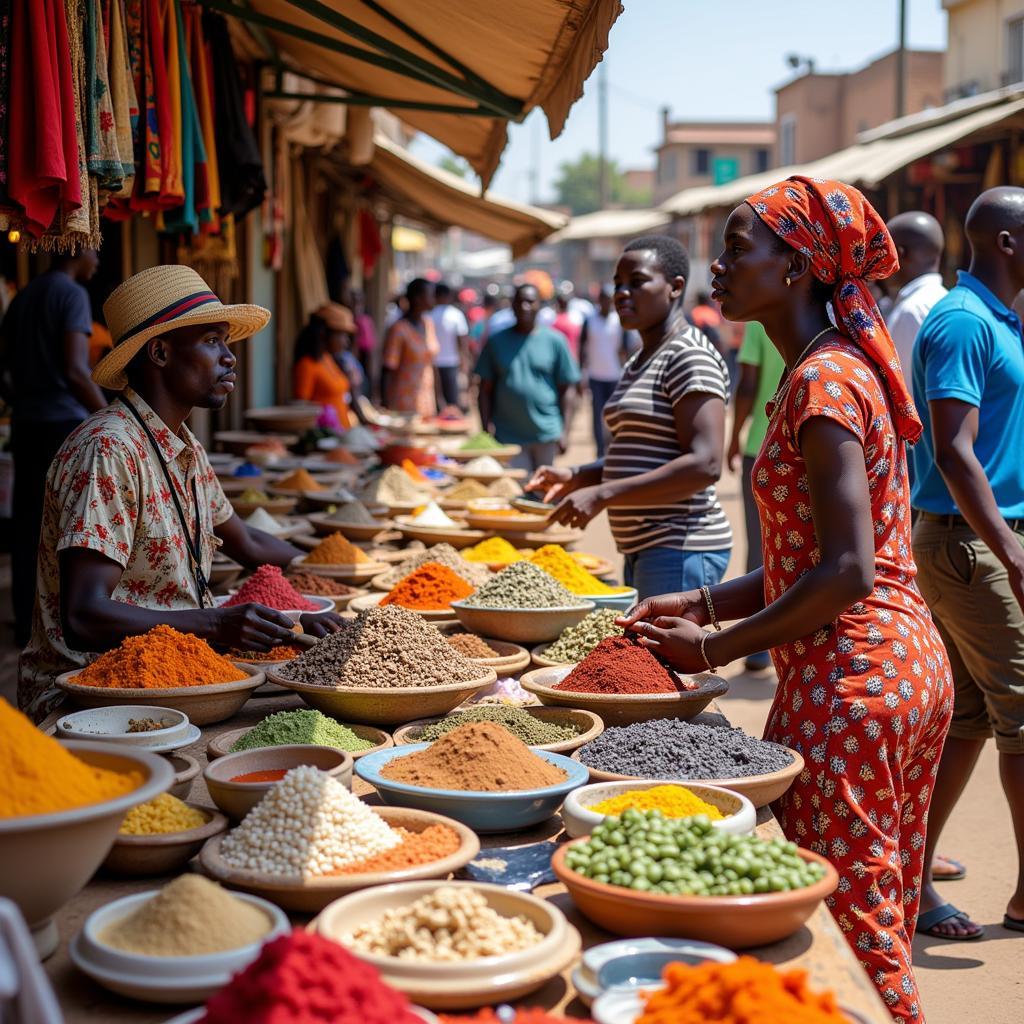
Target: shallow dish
(299,417)
(323,499)
(383,705)
(482,812)
(453,450)
(236,441)
(517,524)
(589,724)
(539,658)
(237,799)
(224,572)
(467,983)
(194,1016)
(324,525)
(352,572)
(620,602)
(164,853)
(110,725)
(313,894)
(324,605)
(430,614)
(275,506)
(580,820)
(737,922)
(459,536)
(222,743)
(523,626)
(163,979)
(511,660)
(31,846)
(186,771)
(624,708)
(205,704)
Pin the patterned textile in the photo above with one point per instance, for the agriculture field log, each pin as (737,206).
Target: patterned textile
(122,94)
(409,355)
(102,155)
(106,492)
(847,243)
(199,56)
(5,70)
(867,699)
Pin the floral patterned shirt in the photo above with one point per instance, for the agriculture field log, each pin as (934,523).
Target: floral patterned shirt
(106,492)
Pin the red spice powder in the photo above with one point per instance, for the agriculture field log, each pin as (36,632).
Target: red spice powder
(619,664)
(267,586)
(268,775)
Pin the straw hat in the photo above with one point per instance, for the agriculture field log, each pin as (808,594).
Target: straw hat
(159,300)
(337,317)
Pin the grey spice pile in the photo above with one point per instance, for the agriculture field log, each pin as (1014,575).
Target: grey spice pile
(576,642)
(443,554)
(524,726)
(382,647)
(669,748)
(524,585)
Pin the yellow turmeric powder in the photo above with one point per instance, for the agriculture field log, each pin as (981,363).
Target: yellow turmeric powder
(553,558)
(672,801)
(336,550)
(41,777)
(493,550)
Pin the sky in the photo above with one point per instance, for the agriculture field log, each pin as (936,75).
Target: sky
(707,60)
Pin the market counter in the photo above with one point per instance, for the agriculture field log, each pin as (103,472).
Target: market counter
(818,947)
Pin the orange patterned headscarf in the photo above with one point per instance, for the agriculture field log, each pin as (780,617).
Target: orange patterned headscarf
(848,244)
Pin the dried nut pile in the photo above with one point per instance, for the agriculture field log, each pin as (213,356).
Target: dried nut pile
(454,922)
(471,645)
(524,586)
(576,642)
(443,554)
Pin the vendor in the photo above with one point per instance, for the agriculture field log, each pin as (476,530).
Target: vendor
(317,376)
(134,511)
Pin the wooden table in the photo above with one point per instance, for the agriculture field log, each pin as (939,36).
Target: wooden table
(818,947)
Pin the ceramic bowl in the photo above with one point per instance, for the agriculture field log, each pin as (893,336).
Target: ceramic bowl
(430,615)
(620,602)
(467,983)
(352,573)
(204,704)
(194,1016)
(237,799)
(293,418)
(309,895)
(110,725)
(186,771)
(581,821)
(453,450)
(383,705)
(323,605)
(538,655)
(481,811)
(37,871)
(589,725)
(624,708)
(276,506)
(163,979)
(222,743)
(324,525)
(736,922)
(511,660)
(532,626)
(144,856)
(458,537)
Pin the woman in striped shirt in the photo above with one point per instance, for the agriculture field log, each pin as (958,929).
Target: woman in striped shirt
(666,418)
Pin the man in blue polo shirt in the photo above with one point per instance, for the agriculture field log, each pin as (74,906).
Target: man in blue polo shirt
(969,538)
(527,385)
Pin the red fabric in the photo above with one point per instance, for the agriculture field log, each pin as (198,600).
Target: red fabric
(848,245)
(370,246)
(42,168)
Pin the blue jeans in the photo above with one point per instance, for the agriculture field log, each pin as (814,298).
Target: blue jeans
(656,571)
(600,392)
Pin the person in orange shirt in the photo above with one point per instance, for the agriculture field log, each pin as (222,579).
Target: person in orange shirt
(317,377)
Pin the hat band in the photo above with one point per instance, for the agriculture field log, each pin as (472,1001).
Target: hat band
(175,309)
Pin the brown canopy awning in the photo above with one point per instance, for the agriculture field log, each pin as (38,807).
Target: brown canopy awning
(457,70)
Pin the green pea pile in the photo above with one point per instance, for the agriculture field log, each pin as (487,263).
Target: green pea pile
(645,851)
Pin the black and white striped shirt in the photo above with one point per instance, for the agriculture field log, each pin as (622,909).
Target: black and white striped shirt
(643,437)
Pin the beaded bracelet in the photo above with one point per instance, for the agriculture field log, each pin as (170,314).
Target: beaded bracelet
(706,591)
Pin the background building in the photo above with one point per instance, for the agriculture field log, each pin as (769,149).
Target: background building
(986,45)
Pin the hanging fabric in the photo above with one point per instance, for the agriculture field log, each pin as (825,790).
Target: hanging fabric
(370,245)
(169,27)
(122,94)
(102,154)
(199,56)
(5,72)
(310,279)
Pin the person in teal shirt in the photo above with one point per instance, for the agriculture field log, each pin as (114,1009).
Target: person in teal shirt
(527,385)
(761,369)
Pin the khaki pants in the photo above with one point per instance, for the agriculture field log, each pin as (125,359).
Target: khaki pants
(982,626)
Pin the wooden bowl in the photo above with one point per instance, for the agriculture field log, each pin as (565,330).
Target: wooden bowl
(162,854)
(297,418)
(565,536)
(512,658)
(353,572)
(212,702)
(460,537)
(313,894)
(275,506)
(589,724)
(224,572)
(237,441)
(539,659)
(324,525)
(186,771)
(529,626)
(624,708)
(386,705)
(736,922)
(515,524)
(222,743)
(430,614)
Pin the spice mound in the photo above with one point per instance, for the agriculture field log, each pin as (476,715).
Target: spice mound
(672,801)
(267,586)
(188,917)
(668,748)
(432,587)
(254,496)
(261,519)
(353,513)
(553,558)
(164,814)
(136,725)
(382,647)
(442,554)
(471,645)
(320,586)
(574,643)
(42,777)
(432,844)
(495,550)
(336,550)
(485,465)
(521,724)
(480,442)
(158,660)
(619,664)
(432,515)
(467,490)
(306,727)
(341,456)
(300,480)
(394,487)
(481,757)
(283,652)
(303,978)
(452,923)
(524,586)
(506,487)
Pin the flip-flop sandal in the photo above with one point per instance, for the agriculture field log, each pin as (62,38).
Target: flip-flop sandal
(950,876)
(931,919)
(1015,924)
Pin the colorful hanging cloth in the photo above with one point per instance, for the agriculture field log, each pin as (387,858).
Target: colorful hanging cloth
(122,94)
(199,55)
(100,128)
(5,72)
(370,245)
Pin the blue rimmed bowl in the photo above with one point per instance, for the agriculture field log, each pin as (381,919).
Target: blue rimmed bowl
(482,812)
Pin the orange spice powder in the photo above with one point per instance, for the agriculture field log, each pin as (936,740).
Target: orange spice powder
(432,587)
(336,550)
(433,843)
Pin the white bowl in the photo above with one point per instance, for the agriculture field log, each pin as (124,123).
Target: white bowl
(581,821)
(164,979)
(324,605)
(110,725)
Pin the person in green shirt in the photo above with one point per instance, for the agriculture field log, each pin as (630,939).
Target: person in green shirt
(761,369)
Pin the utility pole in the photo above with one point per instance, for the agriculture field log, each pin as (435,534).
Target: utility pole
(535,161)
(602,133)
(901,63)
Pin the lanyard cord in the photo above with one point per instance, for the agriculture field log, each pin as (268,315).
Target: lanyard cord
(192,545)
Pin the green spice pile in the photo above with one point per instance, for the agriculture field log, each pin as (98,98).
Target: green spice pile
(524,726)
(382,647)
(480,442)
(304,726)
(523,586)
(576,642)
(443,554)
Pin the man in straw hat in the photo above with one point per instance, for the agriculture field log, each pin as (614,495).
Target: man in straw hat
(134,511)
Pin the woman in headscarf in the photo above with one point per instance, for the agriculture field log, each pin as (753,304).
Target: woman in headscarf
(864,688)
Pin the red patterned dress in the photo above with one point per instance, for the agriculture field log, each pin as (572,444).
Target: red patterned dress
(867,699)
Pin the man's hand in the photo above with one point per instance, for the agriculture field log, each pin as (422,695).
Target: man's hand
(251,627)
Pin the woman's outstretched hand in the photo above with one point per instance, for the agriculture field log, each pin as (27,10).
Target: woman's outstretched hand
(675,640)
